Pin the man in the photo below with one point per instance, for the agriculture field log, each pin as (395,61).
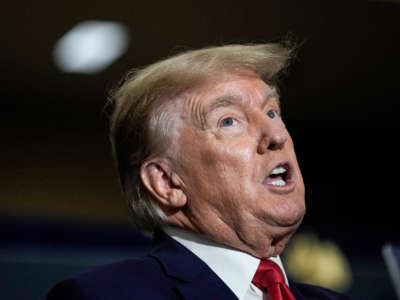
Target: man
(207,165)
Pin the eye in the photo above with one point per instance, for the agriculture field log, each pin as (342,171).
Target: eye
(271,113)
(227,122)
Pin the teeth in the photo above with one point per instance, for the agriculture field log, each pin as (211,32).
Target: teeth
(278,182)
(278,170)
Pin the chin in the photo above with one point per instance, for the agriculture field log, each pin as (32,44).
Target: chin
(292,219)
(290,213)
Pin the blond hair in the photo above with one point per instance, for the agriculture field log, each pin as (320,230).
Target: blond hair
(142,123)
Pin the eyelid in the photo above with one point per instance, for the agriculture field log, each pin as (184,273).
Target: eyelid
(274,108)
(224,118)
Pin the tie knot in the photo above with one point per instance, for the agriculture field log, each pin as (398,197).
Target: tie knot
(268,273)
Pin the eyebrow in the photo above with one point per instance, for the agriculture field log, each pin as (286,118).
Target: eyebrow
(229,100)
(223,101)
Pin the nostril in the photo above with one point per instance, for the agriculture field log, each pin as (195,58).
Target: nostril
(274,146)
(277,142)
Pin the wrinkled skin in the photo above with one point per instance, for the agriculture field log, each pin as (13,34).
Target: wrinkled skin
(231,136)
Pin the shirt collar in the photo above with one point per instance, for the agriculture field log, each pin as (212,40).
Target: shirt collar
(234,267)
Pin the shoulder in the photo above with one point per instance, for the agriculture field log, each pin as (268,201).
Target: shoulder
(122,280)
(307,291)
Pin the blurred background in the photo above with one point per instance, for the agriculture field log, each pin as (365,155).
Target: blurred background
(61,210)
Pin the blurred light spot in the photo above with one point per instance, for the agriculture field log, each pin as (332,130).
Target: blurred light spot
(312,261)
(91,46)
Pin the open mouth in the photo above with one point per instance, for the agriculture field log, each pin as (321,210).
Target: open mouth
(280,176)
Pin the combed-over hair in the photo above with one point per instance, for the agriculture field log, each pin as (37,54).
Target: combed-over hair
(141,124)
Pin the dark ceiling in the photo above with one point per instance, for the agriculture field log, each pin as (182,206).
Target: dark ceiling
(340,99)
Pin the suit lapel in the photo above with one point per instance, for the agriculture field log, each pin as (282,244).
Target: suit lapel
(295,291)
(206,285)
(194,279)
(303,291)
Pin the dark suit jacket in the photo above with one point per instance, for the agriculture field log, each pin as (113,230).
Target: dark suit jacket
(169,271)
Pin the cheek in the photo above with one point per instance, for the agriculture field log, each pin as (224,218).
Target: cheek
(220,173)
(233,153)
(231,165)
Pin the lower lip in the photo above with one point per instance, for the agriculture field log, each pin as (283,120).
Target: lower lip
(282,189)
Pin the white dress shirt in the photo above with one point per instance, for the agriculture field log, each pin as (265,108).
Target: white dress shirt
(235,268)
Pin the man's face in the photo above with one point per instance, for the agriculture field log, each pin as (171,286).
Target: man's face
(238,166)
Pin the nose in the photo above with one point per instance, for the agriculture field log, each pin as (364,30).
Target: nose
(273,137)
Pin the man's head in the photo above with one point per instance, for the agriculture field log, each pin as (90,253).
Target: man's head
(199,142)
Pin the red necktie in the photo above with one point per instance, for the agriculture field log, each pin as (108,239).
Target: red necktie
(269,278)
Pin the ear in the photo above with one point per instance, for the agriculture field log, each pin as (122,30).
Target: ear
(165,185)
